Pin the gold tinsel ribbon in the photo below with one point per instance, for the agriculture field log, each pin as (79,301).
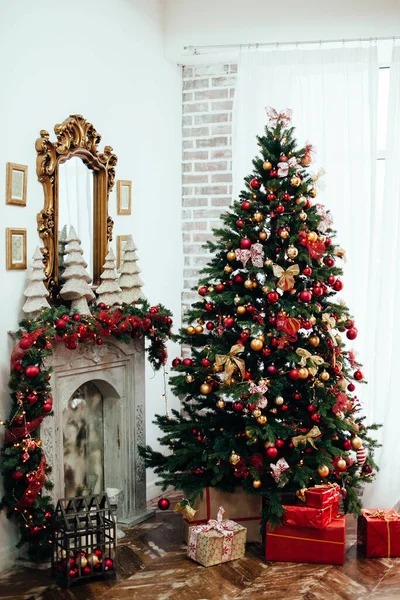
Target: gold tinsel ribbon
(231,362)
(307,437)
(301,494)
(314,358)
(286,281)
(187,511)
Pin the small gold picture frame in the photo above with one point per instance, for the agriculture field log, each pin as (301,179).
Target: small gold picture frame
(124,197)
(15,249)
(121,241)
(16,182)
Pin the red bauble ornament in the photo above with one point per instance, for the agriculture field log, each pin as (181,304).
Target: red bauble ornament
(311,408)
(286,196)
(307,325)
(66,318)
(283,158)
(102,305)
(328,260)
(239,223)
(272,452)
(346,445)
(73,573)
(272,370)
(208,306)
(349,324)
(255,184)
(25,342)
(358,375)
(76,317)
(307,271)
(297,396)
(203,291)
(87,570)
(32,398)
(229,322)
(338,285)
(273,173)
(271,197)
(47,407)
(187,362)
(99,342)
(367,469)
(209,326)
(351,334)
(219,287)
(108,564)
(272,320)
(351,387)
(246,205)
(305,296)
(318,291)
(272,297)
(331,280)
(34,529)
(176,362)
(163,504)
(266,351)
(60,324)
(48,515)
(205,362)
(294,374)
(280,209)
(238,278)
(238,406)
(250,308)
(245,243)
(98,552)
(48,345)
(328,242)
(279,443)
(316,418)
(18,475)
(32,371)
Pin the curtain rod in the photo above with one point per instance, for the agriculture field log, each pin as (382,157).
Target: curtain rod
(195,49)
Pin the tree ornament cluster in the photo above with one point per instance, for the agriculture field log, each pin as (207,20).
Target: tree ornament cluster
(271,387)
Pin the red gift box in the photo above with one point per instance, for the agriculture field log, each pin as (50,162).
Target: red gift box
(378,533)
(304,545)
(323,495)
(307,516)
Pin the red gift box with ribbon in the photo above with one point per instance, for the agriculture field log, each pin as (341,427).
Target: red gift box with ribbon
(321,496)
(378,533)
(307,516)
(305,545)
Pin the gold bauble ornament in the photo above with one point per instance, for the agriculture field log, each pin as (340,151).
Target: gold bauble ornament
(292,252)
(303,216)
(93,560)
(81,561)
(234,458)
(300,200)
(324,376)
(284,234)
(199,329)
(268,444)
(256,483)
(273,410)
(256,344)
(211,289)
(306,160)
(263,235)
(262,420)
(205,389)
(248,284)
(303,372)
(190,330)
(312,320)
(220,404)
(342,383)
(256,413)
(268,262)
(241,310)
(189,378)
(254,284)
(312,193)
(314,340)
(247,330)
(295,181)
(323,471)
(265,289)
(341,464)
(228,269)
(231,256)
(279,401)
(335,438)
(267,166)
(312,236)
(356,442)
(248,434)
(258,216)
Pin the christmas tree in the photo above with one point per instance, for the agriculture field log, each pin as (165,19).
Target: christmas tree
(109,292)
(269,393)
(36,292)
(77,279)
(130,281)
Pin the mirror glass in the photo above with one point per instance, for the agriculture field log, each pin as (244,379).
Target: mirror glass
(75,204)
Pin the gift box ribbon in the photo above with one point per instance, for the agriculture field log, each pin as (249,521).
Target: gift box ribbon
(389,516)
(226,528)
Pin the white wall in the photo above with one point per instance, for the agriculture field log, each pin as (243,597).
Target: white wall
(203,22)
(103,60)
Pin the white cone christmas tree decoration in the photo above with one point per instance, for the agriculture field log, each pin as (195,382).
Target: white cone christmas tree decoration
(109,291)
(130,281)
(77,279)
(36,293)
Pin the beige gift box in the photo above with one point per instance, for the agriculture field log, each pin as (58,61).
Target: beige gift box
(213,548)
(240,507)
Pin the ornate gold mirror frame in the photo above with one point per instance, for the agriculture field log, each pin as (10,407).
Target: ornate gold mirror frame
(75,137)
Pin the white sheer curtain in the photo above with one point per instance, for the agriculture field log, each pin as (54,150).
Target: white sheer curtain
(334,95)
(385,277)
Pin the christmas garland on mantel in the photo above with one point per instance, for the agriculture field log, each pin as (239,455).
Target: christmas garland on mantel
(24,462)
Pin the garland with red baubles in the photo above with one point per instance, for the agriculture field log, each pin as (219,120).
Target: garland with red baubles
(24,462)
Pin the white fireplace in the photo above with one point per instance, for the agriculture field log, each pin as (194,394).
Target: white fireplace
(92,441)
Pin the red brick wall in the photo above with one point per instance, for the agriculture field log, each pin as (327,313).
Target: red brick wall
(206,161)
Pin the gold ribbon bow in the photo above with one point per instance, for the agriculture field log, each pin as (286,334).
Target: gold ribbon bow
(383,514)
(330,323)
(314,358)
(286,281)
(187,511)
(231,362)
(317,176)
(301,494)
(307,437)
